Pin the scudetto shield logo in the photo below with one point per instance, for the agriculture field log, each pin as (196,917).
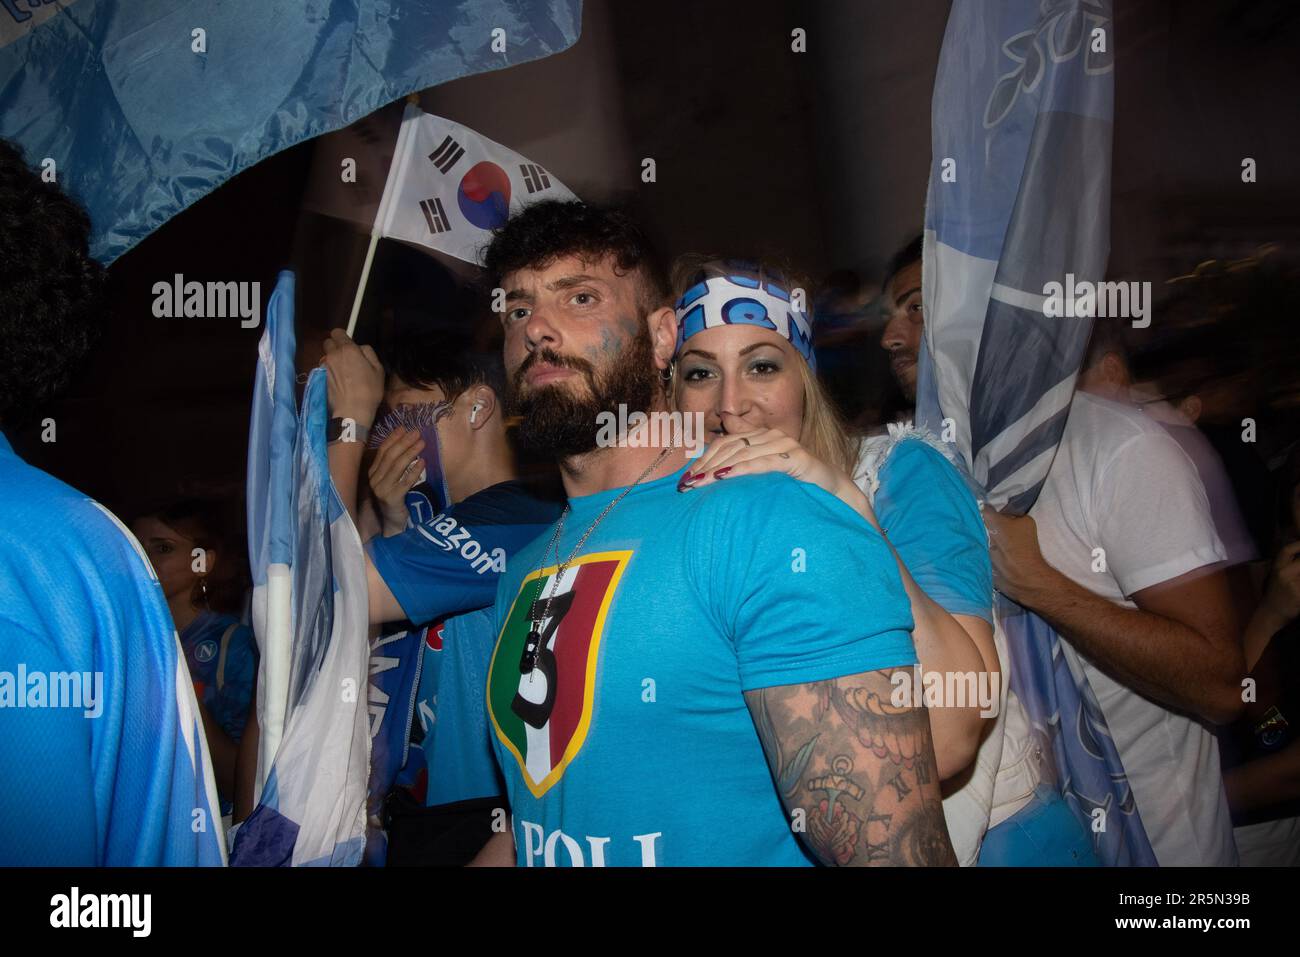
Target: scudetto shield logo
(542,717)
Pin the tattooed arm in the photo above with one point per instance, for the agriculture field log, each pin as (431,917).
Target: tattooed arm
(856,772)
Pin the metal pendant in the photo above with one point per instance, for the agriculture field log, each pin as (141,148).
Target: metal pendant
(532,651)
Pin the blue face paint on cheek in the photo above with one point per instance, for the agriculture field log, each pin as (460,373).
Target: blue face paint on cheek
(608,346)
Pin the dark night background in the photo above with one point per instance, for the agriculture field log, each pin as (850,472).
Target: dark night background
(822,157)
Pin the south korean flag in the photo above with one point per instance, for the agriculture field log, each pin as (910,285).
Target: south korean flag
(449,187)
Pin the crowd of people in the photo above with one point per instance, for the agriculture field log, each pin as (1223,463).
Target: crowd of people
(655,655)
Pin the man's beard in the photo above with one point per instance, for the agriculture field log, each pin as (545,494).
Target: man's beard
(558,423)
(908,388)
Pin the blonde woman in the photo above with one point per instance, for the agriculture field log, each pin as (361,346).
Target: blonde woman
(745,363)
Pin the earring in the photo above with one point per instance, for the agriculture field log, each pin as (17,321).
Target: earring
(203,591)
(666,375)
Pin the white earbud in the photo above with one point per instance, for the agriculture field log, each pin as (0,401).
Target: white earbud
(473,413)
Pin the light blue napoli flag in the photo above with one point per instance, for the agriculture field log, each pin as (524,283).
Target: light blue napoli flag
(147,106)
(272,434)
(310,616)
(1020,196)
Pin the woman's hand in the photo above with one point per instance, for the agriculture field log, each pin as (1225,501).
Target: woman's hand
(396,470)
(753,453)
(771,450)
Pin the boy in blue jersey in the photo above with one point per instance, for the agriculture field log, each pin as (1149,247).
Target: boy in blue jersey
(684,679)
(102,754)
(450,513)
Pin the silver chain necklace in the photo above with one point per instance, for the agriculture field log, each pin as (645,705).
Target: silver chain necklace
(533,645)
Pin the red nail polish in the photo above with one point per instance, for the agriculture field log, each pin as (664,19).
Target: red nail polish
(722,473)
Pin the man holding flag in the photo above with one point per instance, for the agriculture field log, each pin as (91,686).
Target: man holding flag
(1123,645)
(440,575)
(439,570)
(1195,611)
(447,188)
(1119,554)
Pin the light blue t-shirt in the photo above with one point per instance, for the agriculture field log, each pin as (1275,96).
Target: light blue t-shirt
(126,781)
(451,712)
(632,743)
(933,521)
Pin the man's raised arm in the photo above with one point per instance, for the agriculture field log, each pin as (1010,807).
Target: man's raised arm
(856,773)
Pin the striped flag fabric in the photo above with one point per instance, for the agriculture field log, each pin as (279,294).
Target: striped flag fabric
(1019,197)
(146,107)
(310,615)
(273,429)
(448,187)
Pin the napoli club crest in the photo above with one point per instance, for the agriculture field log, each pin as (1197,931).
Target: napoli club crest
(541,715)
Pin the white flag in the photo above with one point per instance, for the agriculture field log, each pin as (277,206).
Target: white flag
(449,187)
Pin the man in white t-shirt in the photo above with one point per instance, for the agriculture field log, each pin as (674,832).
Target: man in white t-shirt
(1011,777)
(1120,555)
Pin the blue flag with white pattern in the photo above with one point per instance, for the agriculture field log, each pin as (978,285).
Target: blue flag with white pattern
(143,108)
(310,615)
(1019,196)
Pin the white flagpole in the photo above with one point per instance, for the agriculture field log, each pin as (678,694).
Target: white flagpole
(396,169)
(365,274)
(277,663)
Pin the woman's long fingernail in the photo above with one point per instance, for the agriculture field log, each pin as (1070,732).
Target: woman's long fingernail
(722,473)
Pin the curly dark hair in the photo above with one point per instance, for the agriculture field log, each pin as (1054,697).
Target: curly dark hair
(50,288)
(541,233)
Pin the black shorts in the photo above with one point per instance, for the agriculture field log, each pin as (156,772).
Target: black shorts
(445,836)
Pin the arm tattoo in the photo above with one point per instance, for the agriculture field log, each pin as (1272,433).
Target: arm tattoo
(861,771)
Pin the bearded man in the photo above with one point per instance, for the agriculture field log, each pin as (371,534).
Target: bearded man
(657,651)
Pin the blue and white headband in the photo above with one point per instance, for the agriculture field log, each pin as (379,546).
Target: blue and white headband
(740,299)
